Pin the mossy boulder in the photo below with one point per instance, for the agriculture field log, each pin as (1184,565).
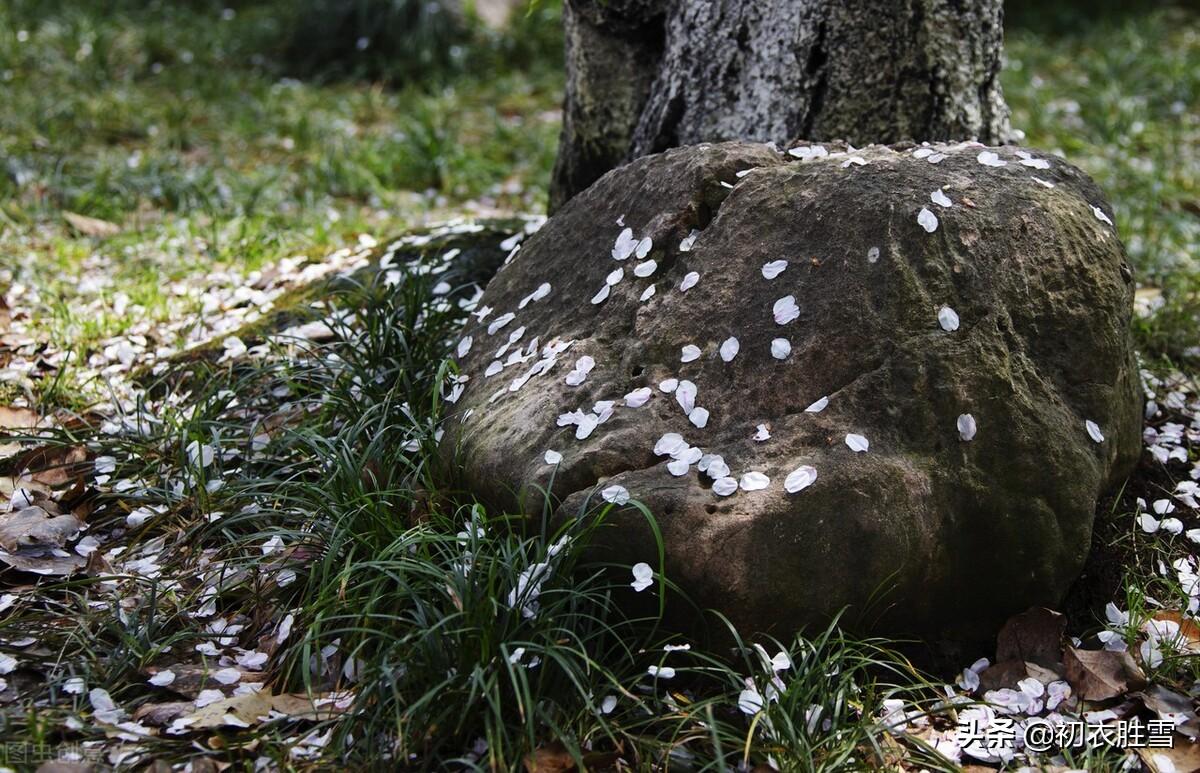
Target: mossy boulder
(932,383)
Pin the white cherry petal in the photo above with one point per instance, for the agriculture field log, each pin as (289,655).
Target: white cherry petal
(774,268)
(678,467)
(669,444)
(643,577)
(725,486)
(785,310)
(638,397)
(618,495)
(948,319)
(729,349)
(685,395)
(799,479)
(927,220)
(989,158)
(754,481)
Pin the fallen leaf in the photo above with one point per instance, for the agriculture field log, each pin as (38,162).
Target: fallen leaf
(51,466)
(45,565)
(249,708)
(1181,757)
(1034,635)
(18,418)
(91,226)
(190,679)
(1097,675)
(1008,673)
(1187,629)
(34,527)
(1172,706)
(553,758)
(159,714)
(66,766)
(317,708)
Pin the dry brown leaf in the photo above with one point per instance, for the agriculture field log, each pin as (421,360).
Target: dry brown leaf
(160,714)
(253,708)
(62,466)
(1008,673)
(18,418)
(66,766)
(59,566)
(250,708)
(300,706)
(190,679)
(1170,705)
(1187,629)
(553,758)
(1034,635)
(1097,675)
(34,527)
(1182,757)
(91,226)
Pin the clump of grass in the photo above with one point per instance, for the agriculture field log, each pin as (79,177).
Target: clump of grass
(465,637)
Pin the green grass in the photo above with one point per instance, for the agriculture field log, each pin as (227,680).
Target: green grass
(165,119)
(467,637)
(1119,96)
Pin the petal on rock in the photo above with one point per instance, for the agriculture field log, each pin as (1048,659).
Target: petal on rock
(774,268)
(927,220)
(754,481)
(948,319)
(725,486)
(638,397)
(799,479)
(618,495)
(857,443)
(785,310)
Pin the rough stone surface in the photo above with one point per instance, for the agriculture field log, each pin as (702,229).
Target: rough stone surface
(924,532)
(647,75)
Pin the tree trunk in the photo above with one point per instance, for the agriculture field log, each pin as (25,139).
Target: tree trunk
(647,75)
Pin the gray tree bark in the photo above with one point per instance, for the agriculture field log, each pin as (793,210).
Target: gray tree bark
(647,75)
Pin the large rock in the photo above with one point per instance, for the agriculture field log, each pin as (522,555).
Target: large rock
(930,283)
